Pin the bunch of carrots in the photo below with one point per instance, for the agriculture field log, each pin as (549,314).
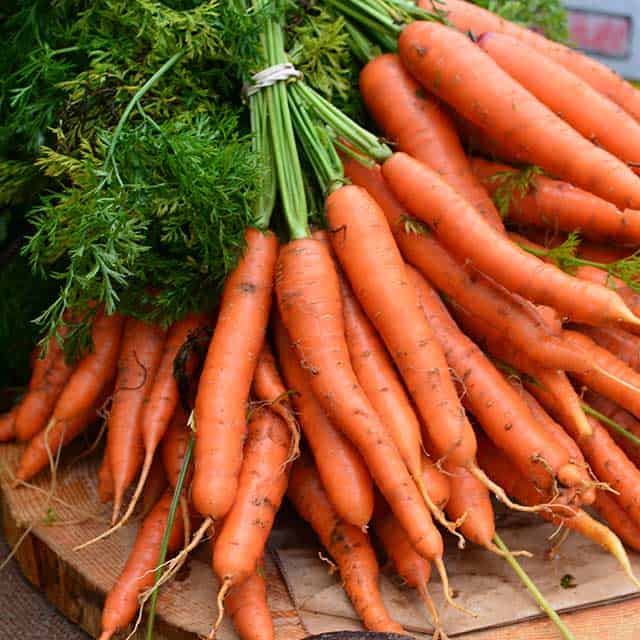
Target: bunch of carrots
(445,338)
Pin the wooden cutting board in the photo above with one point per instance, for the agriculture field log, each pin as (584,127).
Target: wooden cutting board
(76,582)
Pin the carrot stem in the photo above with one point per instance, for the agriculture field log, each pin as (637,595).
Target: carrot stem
(167,533)
(608,422)
(533,590)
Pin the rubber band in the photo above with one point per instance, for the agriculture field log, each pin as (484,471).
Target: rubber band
(269,76)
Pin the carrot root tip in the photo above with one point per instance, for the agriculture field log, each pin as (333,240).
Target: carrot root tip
(224,589)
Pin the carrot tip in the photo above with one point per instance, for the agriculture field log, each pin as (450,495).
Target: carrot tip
(224,589)
(106,635)
(494,549)
(444,578)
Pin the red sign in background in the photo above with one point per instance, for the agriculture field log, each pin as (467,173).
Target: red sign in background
(600,33)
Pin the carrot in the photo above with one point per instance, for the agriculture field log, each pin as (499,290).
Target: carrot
(105,479)
(155,486)
(419,125)
(224,385)
(521,321)
(618,415)
(342,470)
(437,482)
(371,261)
(173,446)
(43,449)
(309,301)
(247,605)
(8,425)
(497,465)
(603,253)
(121,604)
(467,235)
(618,520)
(495,404)
(559,206)
(590,113)
(348,546)
(50,375)
(409,565)
(261,487)
(622,385)
(269,388)
(448,63)
(468,17)
(622,344)
(138,362)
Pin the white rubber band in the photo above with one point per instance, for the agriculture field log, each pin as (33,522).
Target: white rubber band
(269,76)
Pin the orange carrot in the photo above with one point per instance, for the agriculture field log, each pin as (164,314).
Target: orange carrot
(76,406)
(495,404)
(437,482)
(8,425)
(348,546)
(618,520)
(138,362)
(247,605)
(466,235)
(622,344)
(174,446)
(419,125)
(138,574)
(309,302)
(468,17)
(371,261)
(559,206)
(344,474)
(223,391)
(448,63)
(50,374)
(105,479)
(261,487)
(589,112)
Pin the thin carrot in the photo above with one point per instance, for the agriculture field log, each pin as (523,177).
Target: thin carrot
(76,405)
(155,486)
(310,305)
(409,565)
(466,235)
(461,282)
(50,374)
(121,604)
(558,206)
(341,468)
(497,465)
(448,63)
(247,605)
(618,520)
(436,481)
(8,425)
(261,486)
(468,17)
(589,112)
(622,344)
(105,479)
(223,391)
(138,362)
(348,546)
(173,446)
(495,404)
(419,125)
(269,388)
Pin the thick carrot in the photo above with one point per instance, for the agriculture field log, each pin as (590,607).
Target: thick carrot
(121,604)
(461,282)
(622,344)
(310,305)
(269,388)
(371,261)
(105,479)
(174,444)
(559,206)
(618,520)
(466,235)
(247,605)
(621,417)
(468,17)
(419,125)
(8,425)
(348,546)
(495,404)
(223,391)
(623,388)
(138,362)
(589,112)
(50,374)
(261,487)
(448,63)
(409,564)
(341,468)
